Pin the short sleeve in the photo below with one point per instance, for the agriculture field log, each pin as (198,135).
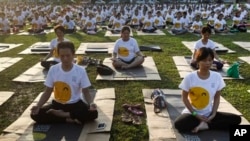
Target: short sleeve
(85,80)
(49,79)
(184,85)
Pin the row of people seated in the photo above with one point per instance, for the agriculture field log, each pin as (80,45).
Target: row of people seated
(69,82)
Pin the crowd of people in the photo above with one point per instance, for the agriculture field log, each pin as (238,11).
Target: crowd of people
(70,83)
(146,17)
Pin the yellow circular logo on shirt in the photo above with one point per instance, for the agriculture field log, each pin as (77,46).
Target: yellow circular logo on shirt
(66,26)
(177,25)
(147,23)
(134,20)
(199,97)
(55,53)
(156,21)
(196,27)
(62,91)
(123,51)
(117,25)
(89,24)
(217,25)
(98,19)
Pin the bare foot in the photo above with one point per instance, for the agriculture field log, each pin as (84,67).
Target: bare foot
(201,126)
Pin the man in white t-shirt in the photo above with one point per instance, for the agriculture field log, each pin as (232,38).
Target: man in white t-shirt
(59,30)
(70,83)
(126,51)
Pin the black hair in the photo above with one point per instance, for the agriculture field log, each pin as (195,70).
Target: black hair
(203,53)
(66,45)
(59,27)
(125,28)
(206,29)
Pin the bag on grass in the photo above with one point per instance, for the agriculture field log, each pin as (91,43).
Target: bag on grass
(233,70)
(158,100)
(104,70)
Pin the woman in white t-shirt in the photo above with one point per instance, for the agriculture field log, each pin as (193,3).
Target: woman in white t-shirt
(148,23)
(59,31)
(206,42)
(118,23)
(220,25)
(238,23)
(4,24)
(197,24)
(201,92)
(178,25)
(126,52)
(70,84)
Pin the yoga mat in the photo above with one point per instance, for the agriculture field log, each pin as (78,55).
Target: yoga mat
(37,48)
(244,45)
(183,66)
(219,47)
(7,46)
(147,71)
(4,96)
(6,62)
(150,48)
(24,128)
(42,33)
(174,109)
(246,59)
(109,33)
(95,48)
(157,32)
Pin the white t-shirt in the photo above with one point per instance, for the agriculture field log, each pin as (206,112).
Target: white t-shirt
(199,44)
(148,22)
(236,20)
(159,21)
(118,23)
(67,85)
(53,45)
(201,92)
(178,24)
(90,23)
(197,25)
(69,24)
(218,24)
(126,50)
(135,20)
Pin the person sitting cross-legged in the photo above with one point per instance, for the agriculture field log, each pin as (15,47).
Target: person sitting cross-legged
(201,92)
(59,31)
(206,42)
(126,51)
(68,81)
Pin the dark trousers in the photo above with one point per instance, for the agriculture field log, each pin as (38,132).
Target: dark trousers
(219,65)
(222,121)
(78,110)
(48,64)
(149,30)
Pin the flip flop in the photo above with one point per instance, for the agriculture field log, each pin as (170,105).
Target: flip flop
(137,120)
(126,106)
(135,111)
(126,117)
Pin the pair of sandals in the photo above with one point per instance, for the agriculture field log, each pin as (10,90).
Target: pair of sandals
(132,114)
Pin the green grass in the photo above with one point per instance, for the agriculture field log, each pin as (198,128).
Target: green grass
(126,91)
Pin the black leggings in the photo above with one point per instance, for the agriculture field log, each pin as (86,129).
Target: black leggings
(222,121)
(78,110)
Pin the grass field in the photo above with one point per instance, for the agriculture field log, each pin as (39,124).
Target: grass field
(126,91)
